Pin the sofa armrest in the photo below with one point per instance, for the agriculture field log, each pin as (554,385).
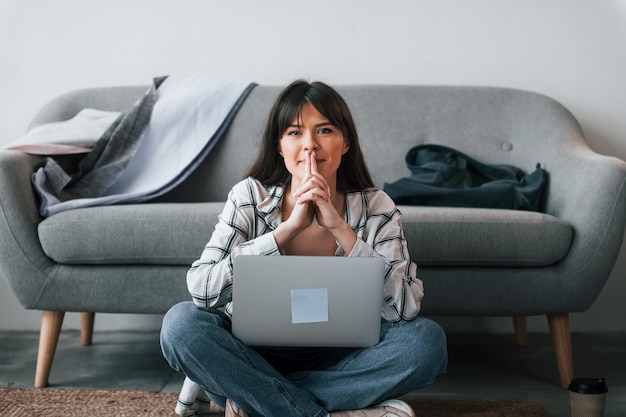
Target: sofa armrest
(22,262)
(588,190)
(67,105)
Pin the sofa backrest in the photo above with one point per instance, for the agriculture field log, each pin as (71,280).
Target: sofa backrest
(493,125)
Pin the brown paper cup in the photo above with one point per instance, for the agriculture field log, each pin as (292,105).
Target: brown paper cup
(587,405)
(587,397)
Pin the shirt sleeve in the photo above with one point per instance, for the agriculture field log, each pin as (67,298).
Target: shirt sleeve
(209,280)
(380,234)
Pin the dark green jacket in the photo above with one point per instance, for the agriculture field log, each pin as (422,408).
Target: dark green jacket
(442,176)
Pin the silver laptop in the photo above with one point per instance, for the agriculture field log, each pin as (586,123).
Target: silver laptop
(313,301)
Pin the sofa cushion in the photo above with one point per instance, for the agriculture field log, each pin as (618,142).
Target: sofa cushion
(157,234)
(175,234)
(451,236)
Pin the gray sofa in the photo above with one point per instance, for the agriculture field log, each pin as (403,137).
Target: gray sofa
(474,262)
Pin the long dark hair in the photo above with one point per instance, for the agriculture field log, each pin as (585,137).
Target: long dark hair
(269,167)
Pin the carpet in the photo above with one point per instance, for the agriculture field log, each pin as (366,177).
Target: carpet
(15,402)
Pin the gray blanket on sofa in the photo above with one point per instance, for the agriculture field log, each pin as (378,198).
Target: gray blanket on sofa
(148,150)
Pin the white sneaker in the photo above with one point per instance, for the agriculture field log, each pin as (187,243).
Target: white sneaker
(389,408)
(200,407)
(398,405)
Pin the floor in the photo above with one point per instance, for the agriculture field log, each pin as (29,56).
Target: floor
(481,366)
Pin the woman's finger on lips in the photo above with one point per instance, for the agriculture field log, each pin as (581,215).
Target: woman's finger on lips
(313,163)
(307,164)
(307,174)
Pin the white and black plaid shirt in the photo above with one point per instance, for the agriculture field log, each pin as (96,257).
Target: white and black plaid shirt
(253,210)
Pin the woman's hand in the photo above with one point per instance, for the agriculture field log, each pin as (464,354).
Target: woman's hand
(313,201)
(302,212)
(301,216)
(315,190)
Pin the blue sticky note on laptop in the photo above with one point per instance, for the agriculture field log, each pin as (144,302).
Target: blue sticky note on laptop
(309,305)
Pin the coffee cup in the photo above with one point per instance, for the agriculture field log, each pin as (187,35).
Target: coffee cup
(587,397)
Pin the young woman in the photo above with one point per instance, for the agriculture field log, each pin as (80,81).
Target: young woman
(309,192)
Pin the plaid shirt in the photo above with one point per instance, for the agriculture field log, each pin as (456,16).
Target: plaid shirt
(252,211)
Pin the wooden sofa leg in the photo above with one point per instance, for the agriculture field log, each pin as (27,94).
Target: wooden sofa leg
(51,322)
(521,331)
(86,328)
(561,337)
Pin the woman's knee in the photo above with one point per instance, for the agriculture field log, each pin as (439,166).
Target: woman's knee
(433,346)
(188,330)
(425,342)
(186,320)
(439,341)
(176,320)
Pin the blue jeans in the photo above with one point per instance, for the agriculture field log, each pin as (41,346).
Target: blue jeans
(304,382)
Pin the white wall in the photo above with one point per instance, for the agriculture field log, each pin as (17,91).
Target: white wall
(572,50)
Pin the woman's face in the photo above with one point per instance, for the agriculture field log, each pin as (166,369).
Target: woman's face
(313,132)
